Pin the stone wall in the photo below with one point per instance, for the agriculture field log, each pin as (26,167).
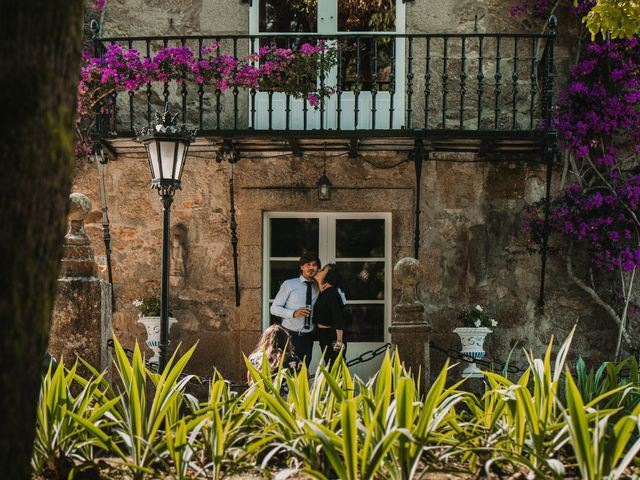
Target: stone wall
(471,244)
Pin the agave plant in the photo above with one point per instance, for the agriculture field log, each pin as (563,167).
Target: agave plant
(69,426)
(602,449)
(138,420)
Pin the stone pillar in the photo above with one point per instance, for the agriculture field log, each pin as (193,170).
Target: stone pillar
(81,323)
(410,331)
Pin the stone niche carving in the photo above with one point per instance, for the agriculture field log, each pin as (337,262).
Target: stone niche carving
(179,253)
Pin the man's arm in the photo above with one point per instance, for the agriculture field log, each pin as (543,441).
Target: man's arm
(278,306)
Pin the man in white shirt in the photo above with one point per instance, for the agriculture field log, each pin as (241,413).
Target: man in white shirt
(294,304)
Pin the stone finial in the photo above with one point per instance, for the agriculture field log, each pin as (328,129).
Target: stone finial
(77,259)
(80,206)
(408,272)
(410,331)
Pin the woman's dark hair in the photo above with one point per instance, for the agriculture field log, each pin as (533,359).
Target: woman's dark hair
(333,276)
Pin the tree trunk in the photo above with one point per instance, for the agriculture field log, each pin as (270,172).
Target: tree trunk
(40,46)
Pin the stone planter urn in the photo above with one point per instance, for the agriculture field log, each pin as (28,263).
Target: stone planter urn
(152,324)
(472,339)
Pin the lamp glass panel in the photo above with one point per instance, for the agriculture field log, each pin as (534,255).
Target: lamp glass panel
(167,150)
(182,152)
(152,154)
(323,192)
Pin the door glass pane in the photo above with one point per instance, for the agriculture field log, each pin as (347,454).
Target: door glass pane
(366,15)
(291,237)
(281,271)
(363,280)
(364,323)
(288,15)
(366,63)
(360,238)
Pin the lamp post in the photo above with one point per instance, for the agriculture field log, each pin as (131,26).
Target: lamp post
(166,147)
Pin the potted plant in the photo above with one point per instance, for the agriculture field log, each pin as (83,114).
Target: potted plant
(477,325)
(149,316)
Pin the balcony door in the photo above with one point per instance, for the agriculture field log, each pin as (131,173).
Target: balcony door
(369,77)
(360,244)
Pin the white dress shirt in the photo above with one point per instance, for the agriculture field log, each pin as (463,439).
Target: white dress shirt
(292,296)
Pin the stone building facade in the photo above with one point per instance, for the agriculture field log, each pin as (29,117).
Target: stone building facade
(470,239)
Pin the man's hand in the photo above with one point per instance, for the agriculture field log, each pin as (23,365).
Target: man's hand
(302,312)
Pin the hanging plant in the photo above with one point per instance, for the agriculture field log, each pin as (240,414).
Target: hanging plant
(293,71)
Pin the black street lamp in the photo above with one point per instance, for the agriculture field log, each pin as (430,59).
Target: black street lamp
(166,147)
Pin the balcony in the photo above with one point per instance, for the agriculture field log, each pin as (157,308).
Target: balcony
(486,93)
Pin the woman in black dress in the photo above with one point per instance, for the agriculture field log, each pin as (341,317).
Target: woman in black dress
(328,313)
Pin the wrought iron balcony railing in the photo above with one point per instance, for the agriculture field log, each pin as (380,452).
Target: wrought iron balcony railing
(464,85)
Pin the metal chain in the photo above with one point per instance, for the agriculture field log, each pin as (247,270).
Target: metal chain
(364,357)
(368,355)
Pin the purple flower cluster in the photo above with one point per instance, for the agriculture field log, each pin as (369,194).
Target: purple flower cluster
(597,217)
(98,5)
(599,113)
(542,8)
(598,120)
(288,70)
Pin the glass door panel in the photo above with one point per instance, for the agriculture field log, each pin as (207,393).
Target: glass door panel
(280,16)
(293,236)
(360,238)
(366,15)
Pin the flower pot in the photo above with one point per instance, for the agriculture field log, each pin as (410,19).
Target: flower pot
(472,339)
(152,324)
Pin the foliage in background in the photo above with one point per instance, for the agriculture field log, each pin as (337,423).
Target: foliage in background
(617,18)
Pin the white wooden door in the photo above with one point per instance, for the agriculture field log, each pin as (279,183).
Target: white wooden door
(370,77)
(360,245)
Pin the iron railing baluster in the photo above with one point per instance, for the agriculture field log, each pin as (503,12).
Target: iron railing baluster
(132,117)
(253,92)
(445,79)
(339,87)
(374,82)
(410,82)
(514,80)
(392,82)
(322,80)
(200,91)
(165,85)
(427,82)
(480,78)
(235,89)
(356,88)
(497,90)
(463,78)
(533,88)
(184,92)
(218,89)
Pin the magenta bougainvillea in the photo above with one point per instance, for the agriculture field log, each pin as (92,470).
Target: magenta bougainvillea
(289,70)
(541,9)
(598,120)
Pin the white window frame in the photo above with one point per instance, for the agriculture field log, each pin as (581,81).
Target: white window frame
(327,239)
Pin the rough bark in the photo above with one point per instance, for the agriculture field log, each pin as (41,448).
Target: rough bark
(39,69)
